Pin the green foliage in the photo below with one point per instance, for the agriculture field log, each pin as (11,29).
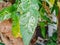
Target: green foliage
(15,25)
(55,8)
(28,23)
(28,19)
(25,15)
(43,30)
(54,37)
(50,42)
(44,16)
(4,14)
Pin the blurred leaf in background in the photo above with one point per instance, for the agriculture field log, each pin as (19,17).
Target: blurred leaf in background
(2,43)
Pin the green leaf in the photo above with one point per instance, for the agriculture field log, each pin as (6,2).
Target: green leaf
(54,37)
(52,9)
(15,25)
(29,18)
(55,8)
(43,15)
(43,30)
(6,12)
(25,5)
(50,2)
(2,43)
(4,15)
(10,9)
(50,42)
(17,1)
(28,23)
